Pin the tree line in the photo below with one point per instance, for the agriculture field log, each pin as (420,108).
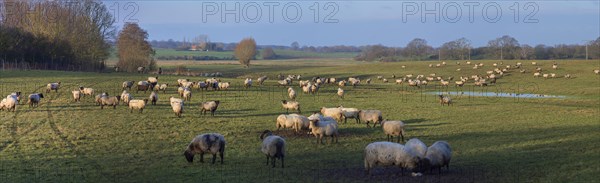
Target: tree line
(502,48)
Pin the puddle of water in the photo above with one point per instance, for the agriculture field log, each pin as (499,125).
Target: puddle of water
(494,94)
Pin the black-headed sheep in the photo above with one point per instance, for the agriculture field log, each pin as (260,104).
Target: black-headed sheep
(209,106)
(273,147)
(212,143)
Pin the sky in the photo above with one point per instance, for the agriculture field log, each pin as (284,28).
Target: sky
(390,23)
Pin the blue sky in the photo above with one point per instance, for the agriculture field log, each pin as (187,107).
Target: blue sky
(391,23)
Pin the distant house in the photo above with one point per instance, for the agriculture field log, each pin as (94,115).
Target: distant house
(194,48)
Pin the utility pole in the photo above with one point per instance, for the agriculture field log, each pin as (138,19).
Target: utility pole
(586,51)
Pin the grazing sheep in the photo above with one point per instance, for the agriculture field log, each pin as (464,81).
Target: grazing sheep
(537,74)
(52,86)
(126,97)
(445,100)
(109,101)
(176,105)
(34,99)
(306,89)
(16,95)
(388,154)
(86,91)
(187,94)
(554,66)
(368,81)
(153,98)
(552,75)
(261,80)
(153,81)
(370,116)
(438,155)
(314,88)
(141,69)
(99,97)
(335,112)
(224,85)
(287,105)
(393,128)
(273,147)
(285,121)
(444,83)
(416,147)
(9,103)
(127,84)
(180,82)
(211,143)
(209,106)
(459,83)
(202,85)
(350,113)
(399,81)
(568,76)
(385,80)
(137,104)
(354,81)
(342,83)
(180,91)
(163,87)
(300,122)
(143,86)
(291,93)
(76,95)
(2,104)
(597,71)
(545,76)
(321,126)
(303,83)
(247,83)
(340,93)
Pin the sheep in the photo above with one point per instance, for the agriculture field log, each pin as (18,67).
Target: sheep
(76,95)
(444,83)
(370,116)
(34,99)
(349,113)
(597,71)
(224,85)
(568,76)
(552,75)
(143,86)
(545,76)
(554,66)
(153,81)
(537,74)
(323,127)
(202,85)
(445,100)
(176,105)
(16,95)
(141,69)
(9,103)
(379,77)
(368,81)
(287,105)
(416,147)
(110,101)
(189,84)
(52,86)
(342,83)
(127,84)
(393,128)
(300,122)
(438,155)
(209,106)
(291,93)
(385,80)
(335,112)
(285,121)
(354,81)
(303,83)
(137,104)
(388,154)
(2,104)
(211,143)
(459,83)
(187,94)
(180,91)
(332,80)
(86,91)
(261,80)
(399,81)
(247,83)
(181,81)
(99,97)
(273,147)
(314,88)
(153,98)
(340,93)
(126,97)
(163,87)
(283,82)
(306,89)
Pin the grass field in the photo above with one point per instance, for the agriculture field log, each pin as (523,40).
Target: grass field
(494,139)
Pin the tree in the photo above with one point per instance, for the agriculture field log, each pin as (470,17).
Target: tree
(417,48)
(245,51)
(268,53)
(526,52)
(133,49)
(506,45)
(295,45)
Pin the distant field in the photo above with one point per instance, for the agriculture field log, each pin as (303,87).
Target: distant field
(494,139)
(286,54)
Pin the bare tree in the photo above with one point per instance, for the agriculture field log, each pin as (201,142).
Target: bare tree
(417,48)
(245,51)
(133,48)
(505,44)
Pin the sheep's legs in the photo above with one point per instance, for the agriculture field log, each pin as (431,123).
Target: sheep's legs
(267,159)
(281,162)
(214,158)
(221,154)
(273,161)
(201,157)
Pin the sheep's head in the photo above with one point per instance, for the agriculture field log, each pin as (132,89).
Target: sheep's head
(283,101)
(41,95)
(145,101)
(217,102)
(118,98)
(80,87)
(265,133)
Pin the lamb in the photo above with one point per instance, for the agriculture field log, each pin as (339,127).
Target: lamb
(247,83)
(287,105)
(153,98)
(127,84)
(393,128)
(323,127)
(143,86)
(224,85)
(187,94)
(86,91)
(385,80)
(597,71)
(76,95)
(52,86)
(370,116)
(340,93)
(545,76)
(261,80)
(273,147)
(110,101)
(180,91)
(388,154)
(211,143)
(438,155)
(126,97)
(291,93)
(209,106)
(163,87)
(137,104)
(349,113)
(445,100)
(336,113)
(34,99)
(176,105)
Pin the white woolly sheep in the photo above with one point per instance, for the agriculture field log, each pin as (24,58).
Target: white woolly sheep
(388,154)
(9,103)
(86,91)
(212,143)
(597,71)
(335,112)
(126,97)
(306,89)
(416,147)
(438,155)
(34,99)
(163,87)
(99,97)
(340,93)
(52,86)
(291,93)
(261,80)
(393,128)
(224,85)
(370,116)
(273,147)
(247,82)
(349,113)
(445,100)
(368,81)
(300,123)
(109,101)
(127,84)
(321,126)
(187,94)
(287,105)
(141,69)
(143,86)
(76,95)
(153,81)
(16,95)
(176,105)
(137,104)
(342,83)
(181,81)
(209,106)
(153,98)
